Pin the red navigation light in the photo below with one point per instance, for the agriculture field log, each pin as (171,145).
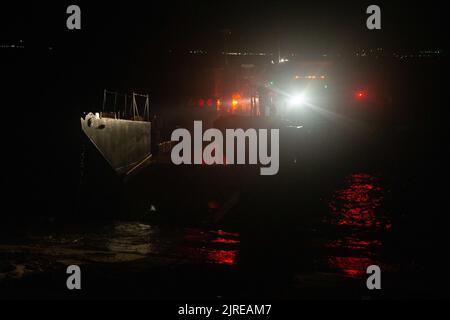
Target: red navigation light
(360,94)
(218,103)
(235,101)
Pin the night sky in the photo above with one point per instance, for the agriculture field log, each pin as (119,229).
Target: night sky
(125,45)
(255,25)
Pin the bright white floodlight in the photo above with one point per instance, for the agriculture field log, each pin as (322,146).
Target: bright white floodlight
(296,100)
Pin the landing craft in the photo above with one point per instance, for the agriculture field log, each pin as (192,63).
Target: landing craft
(122,136)
(301,91)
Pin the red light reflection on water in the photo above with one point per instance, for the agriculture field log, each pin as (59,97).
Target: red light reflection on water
(225,234)
(222,256)
(218,247)
(225,241)
(358,204)
(351,266)
(353,243)
(358,208)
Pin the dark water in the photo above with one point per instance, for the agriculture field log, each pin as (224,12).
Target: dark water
(349,238)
